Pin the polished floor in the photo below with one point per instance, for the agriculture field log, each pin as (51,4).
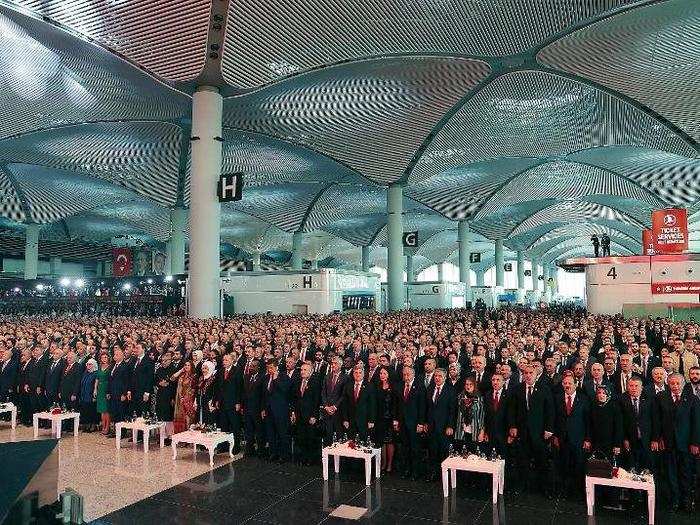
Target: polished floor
(110,479)
(255,492)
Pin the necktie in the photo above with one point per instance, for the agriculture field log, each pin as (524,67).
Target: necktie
(269,384)
(333,380)
(226,375)
(636,406)
(527,398)
(247,366)
(624,382)
(495,401)
(303,387)
(406,391)
(680,364)
(644,366)
(436,394)
(569,405)
(357,391)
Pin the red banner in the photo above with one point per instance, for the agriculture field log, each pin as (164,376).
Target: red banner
(122,262)
(688,287)
(648,242)
(670,230)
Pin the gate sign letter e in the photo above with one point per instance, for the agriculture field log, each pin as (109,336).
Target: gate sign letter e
(230,187)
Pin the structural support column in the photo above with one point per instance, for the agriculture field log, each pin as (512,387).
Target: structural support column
(31,251)
(314,264)
(205,210)
(296,251)
(499,263)
(256,261)
(55,264)
(464,242)
(409,269)
(521,277)
(480,277)
(441,272)
(176,245)
(395,290)
(545,283)
(365,258)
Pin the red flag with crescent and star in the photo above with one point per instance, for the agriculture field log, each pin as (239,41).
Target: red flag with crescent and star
(122,262)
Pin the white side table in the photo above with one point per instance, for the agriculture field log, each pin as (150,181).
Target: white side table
(208,440)
(623,480)
(137,427)
(57,422)
(473,463)
(12,409)
(342,449)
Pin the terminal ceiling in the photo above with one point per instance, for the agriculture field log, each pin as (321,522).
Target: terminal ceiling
(539,122)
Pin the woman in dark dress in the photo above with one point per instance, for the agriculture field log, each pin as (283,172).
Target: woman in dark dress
(88,397)
(387,410)
(606,424)
(165,389)
(207,394)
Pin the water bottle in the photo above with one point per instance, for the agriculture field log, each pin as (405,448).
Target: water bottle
(335,439)
(451,451)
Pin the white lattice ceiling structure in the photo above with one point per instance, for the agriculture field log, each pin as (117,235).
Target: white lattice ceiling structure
(540,122)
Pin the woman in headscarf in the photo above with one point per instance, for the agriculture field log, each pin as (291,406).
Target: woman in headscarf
(185,397)
(470,417)
(207,394)
(606,423)
(165,389)
(88,397)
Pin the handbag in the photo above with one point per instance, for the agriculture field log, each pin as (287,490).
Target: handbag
(599,466)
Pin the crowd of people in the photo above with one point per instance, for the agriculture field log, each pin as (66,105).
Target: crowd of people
(544,389)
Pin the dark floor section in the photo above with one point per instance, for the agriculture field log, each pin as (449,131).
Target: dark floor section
(255,492)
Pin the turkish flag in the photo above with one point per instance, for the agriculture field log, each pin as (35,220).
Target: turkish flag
(648,242)
(670,230)
(122,262)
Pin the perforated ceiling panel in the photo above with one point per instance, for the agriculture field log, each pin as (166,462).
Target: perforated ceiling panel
(49,79)
(10,204)
(142,156)
(371,115)
(270,39)
(167,37)
(651,54)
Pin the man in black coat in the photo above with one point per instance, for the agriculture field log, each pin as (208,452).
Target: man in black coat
(411,421)
(441,419)
(275,411)
(252,399)
(532,425)
(54,373)
(118,386)
(645,362)
(359,405)
(229,393)
(37,375)
(571,433)
(497,403)
(332,399)
(141,387)
(677,434)
(306,395)
(8,376)
(638,411)
(69,388)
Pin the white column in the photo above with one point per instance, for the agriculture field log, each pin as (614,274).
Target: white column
(178,226)
(168,269)
(297,261)
(441,272)
(365,258)
(55,264)
(314,264)
(545,283)
(464,246)
(31,251)
(205,210)
(500,276)
(409,269)
(395,288)
(480,274)
(521,277)
(256,261)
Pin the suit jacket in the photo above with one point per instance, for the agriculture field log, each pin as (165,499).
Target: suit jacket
(496,419)
(589,389)
(229,389)
(70,382)
(275,395)
(678,424)
(333,394)
(54,373)
(252,394)
(362,411)
(652,362)
(689,360)
(142,376)
(8,378)
(572,429)
(536,418)
(617,385)
(638,426)
(442,412)
(305,405)
(485,384)
(412,409)
(119,380)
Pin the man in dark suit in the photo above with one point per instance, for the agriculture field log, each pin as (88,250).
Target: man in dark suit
(275,411)
(497,403)
(481,375)
(677,434)
(118,386)
(306,395)
(571,431)
(359,405)
(645,362)
(69,388)
(332,399)
(411,421)
(141,386)
(623,376)
(252,399)
(52,380)
(532,424)
(441,418)
(638,410)
(8,376)
(590,386)
(229,391)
